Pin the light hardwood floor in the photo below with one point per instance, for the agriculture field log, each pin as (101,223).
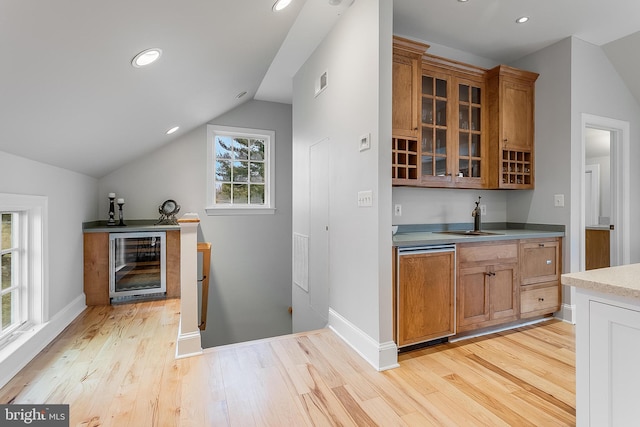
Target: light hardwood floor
(115,366)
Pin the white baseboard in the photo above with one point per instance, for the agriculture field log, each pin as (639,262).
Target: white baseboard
(188,343)
(17,354)
(381,356)
(568,313)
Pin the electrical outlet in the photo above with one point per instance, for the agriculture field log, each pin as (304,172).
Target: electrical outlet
(397,210)
(558,200)
(483,210)
(365,198)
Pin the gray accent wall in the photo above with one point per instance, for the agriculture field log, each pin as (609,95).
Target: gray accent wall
(250,281)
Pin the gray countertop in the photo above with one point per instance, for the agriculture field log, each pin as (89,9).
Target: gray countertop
(132,225)
(419,235)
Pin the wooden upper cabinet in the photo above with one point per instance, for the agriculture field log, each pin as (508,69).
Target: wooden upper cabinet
(460,126)
(407,57)
(511,127)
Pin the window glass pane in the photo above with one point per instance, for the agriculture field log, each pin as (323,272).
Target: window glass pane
(463,142)
(240,194)
(441,113)
(223,194)
(441,166)
(224,147)
(257,194)
(427,111)
(475,118)
(240,171)
(463,167)
(257,172)
(475,145)
(464,93)
(223,170)
(6,231)
(241,148)
(6,310)
(441,88)
(6,271)
(475,95)
(427,140)
(463,115)
(427,165)
(441,141)
(257,149)
(427,85)
(475,168)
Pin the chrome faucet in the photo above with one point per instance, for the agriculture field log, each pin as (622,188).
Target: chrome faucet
(476,216)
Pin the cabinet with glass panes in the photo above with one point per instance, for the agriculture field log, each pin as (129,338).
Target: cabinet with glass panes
(451,133)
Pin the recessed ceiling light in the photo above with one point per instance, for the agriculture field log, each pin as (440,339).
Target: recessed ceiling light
(146,57)
(172,130)
(463,1)
(522,19)
(280,4)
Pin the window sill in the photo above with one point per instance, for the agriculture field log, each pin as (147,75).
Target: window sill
(239,211)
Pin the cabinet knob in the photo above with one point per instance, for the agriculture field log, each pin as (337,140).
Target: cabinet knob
(541,245)
(540,299)
(548,262)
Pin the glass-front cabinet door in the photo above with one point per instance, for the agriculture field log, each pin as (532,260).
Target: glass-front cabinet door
(435,150)
(470,165)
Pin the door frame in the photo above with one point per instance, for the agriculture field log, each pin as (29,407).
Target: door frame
(620,141)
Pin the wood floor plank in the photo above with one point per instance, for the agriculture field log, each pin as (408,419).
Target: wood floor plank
(116,366)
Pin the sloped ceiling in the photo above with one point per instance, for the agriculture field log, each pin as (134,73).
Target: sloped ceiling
(70,97)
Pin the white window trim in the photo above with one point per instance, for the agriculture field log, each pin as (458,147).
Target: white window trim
(35,215)
(270,199)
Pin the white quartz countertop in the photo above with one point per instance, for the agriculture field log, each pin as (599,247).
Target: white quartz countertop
(623,280)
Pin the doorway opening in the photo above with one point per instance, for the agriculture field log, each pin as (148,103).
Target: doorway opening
(604,212)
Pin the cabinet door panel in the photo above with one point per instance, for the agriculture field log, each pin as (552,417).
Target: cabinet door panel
(503,292)
(473,297)
(405,90)
(518,116)
(425,297)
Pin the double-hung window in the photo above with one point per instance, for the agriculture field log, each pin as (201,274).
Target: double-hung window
(22,254)
(11,254)
(240,165)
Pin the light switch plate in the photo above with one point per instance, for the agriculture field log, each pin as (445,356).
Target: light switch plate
(365,142)
(365,198)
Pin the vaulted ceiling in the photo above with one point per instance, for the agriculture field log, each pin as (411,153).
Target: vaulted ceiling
(70,97)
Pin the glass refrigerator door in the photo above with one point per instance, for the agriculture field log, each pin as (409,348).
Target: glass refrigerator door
(138,263)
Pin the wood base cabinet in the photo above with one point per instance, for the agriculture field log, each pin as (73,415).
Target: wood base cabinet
(96,266)
(425,296)
(540,269)
(487,285)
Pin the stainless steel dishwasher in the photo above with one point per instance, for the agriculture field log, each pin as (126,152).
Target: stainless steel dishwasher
(425,294)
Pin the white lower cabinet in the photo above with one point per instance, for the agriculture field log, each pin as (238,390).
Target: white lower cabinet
(607,371)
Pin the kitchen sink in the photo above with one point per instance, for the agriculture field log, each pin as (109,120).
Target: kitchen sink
(469,233)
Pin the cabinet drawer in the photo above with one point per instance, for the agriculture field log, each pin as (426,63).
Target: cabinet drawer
(540,261)
(483,253)
(539,299)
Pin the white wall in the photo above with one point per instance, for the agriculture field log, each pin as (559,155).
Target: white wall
(71,200)
(246,300)
(357,56)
